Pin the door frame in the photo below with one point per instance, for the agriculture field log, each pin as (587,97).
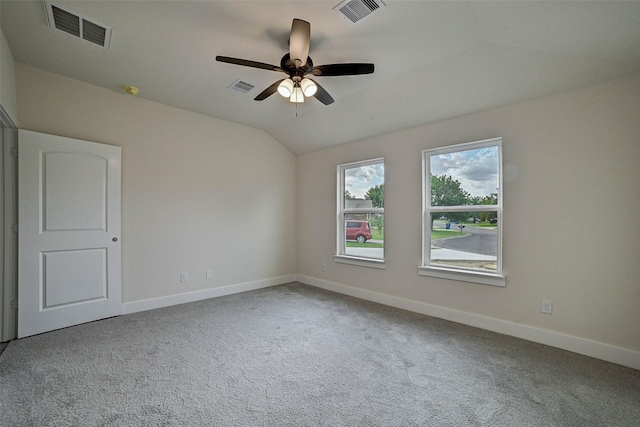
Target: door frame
(8,227)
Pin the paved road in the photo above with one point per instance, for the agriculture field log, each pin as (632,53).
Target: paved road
(480,240)
(480,243)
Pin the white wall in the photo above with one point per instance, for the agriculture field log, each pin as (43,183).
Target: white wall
(571,205)
(198,193)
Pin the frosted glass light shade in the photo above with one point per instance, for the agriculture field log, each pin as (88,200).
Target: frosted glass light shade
(296,95)
(285,88)
(309,88)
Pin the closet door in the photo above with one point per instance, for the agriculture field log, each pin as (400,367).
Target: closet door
(69,262)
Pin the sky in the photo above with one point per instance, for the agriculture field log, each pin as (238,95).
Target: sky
(476,170)
(358,180)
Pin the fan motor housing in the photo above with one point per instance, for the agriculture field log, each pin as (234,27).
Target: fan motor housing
(290,68)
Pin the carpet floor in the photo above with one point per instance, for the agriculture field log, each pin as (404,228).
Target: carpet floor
(294,355)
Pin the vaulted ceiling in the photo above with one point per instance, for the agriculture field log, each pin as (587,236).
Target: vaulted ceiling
(433,59)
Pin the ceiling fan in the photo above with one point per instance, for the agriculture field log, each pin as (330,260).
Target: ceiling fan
(297,64)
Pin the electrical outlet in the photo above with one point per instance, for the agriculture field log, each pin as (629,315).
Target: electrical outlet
(209,274)
(546,307)
(184,277)
(324,267)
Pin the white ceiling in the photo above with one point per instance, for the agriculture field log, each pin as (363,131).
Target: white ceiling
(434,59)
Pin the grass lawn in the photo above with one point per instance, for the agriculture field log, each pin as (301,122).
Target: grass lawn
(475,224)
(481,224)
(364,245)
(439,233)
(377,234)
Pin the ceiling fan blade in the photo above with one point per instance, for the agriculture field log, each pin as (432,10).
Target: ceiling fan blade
(349,69)
(299,42)
(247,63)
(322,95)
(268,91)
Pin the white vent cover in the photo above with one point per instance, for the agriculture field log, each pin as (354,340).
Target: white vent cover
(241,86)
(356,10)
(64,19)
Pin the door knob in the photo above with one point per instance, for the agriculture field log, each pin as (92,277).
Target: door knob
(115,239)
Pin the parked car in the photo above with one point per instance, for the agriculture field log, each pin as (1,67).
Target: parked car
(493,221)
(358,230)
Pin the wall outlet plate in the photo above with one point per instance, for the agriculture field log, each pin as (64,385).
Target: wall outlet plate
(546,307)
(209,274)
(184,277)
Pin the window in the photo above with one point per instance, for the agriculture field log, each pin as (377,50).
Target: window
(360,219)
(462,218)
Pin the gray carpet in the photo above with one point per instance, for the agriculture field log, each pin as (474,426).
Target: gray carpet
(294,355)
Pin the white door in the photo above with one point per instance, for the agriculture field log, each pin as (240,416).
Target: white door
(69,258)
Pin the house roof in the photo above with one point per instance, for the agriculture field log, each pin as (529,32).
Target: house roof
(433,59)
(358,204)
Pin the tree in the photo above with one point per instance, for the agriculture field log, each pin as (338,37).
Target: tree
(446,191)
(376,195)
(491,199)
(347,195)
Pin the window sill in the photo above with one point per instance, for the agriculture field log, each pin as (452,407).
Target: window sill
(362,262)
(464,276)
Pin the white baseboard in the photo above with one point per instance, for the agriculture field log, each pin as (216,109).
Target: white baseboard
(571,343)
(150,304)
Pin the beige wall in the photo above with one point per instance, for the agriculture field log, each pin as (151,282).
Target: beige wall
(571,205)
(7,80)
(197,192)
(203,193)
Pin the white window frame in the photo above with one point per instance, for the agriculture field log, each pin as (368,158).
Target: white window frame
(496,278)
(341,256)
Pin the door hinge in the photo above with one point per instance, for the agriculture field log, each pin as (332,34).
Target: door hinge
(14,228)
(14,304)
(13,152)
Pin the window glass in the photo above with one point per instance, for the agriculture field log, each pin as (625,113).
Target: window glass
(364,237)
(361,210)
(463,207)
(467,240)
(468,177)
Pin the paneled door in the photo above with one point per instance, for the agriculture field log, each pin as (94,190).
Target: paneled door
(69,261)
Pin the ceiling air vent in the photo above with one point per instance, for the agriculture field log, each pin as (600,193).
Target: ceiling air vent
(66,20)
(356,10)
(241,86)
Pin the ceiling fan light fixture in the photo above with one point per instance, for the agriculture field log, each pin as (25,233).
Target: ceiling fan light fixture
(297,95)
(297,64)
(309,88)
(285,88)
